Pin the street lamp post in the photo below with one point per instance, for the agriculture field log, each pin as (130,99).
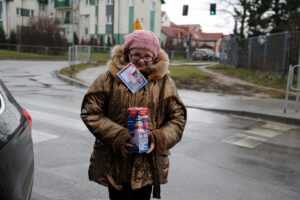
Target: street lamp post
(113,19)
(72,21)
(72,49)
(6,13)
(235,25)
(235,17)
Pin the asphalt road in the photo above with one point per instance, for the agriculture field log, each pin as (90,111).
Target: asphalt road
(220,156)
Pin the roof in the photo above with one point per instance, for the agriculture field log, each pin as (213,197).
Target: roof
(211,36)
(194,30)
(167,31)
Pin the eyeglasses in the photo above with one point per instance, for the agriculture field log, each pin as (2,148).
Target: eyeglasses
(136,58)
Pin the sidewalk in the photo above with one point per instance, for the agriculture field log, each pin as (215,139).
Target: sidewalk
(270,109)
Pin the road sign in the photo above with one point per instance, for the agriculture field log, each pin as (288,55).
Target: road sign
(137,25)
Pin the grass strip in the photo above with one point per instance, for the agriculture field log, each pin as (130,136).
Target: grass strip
(256,77)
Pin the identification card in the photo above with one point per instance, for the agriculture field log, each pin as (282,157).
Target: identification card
(132,78)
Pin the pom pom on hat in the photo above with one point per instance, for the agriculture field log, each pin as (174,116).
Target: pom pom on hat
(142,39)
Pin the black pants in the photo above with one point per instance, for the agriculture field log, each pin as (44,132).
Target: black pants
(127,193)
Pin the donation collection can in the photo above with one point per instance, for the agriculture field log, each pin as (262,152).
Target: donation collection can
(138,126)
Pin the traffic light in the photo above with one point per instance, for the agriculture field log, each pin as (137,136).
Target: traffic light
(212,10)
(185,10)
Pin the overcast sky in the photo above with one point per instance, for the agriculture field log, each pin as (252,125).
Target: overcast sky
(199,14)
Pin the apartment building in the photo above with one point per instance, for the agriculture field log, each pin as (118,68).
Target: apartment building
(15,13)
(87,18)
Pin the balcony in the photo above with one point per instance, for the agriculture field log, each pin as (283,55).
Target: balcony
(68,20)
(43,1)
(60,4)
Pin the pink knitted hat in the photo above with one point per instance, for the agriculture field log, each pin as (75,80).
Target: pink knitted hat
(141,39)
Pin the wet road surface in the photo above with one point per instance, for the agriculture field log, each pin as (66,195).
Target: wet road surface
(220,156)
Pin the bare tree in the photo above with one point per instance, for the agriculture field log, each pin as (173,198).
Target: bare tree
(2,36)
(44,32)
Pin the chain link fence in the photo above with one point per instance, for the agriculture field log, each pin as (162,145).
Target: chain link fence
(270,53)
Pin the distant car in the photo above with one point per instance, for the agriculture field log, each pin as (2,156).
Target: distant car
(203,54)
(16,149)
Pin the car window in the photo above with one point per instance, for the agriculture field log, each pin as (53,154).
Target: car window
(208,51)
(10,117)
(199,51)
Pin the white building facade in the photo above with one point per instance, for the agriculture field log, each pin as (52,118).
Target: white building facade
(101,19)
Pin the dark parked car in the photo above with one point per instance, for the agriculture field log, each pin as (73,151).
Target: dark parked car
(203,54)
(16,149)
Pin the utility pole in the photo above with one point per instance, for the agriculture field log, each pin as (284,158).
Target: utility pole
(235,17)
(113,19)
(72,21)
(118,42)
(6,13)
(21,13)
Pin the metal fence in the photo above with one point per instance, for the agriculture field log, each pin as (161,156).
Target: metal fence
(82,53)
(85,53)
(271,53)
(39,51)
(45,52)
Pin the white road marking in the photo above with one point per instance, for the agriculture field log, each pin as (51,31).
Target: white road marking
(252,138)
(279,126)
(40,136)
(264,132)
(57,120)
(244,140)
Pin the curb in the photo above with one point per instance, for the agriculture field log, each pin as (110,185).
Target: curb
(275,118)
(280,119)
(70,80)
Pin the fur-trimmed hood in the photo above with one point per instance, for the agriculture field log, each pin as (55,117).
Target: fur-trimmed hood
(155,72)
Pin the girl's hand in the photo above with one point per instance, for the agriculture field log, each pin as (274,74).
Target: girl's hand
(151,143)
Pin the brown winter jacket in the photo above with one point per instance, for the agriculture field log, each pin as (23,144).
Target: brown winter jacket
(104,111)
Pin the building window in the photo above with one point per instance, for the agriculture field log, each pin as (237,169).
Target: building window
(108,19)
(25,12)
(90,2)
(43,7)
(131,2)
(152,5)
(109,2)
(67,16)
(86,31)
